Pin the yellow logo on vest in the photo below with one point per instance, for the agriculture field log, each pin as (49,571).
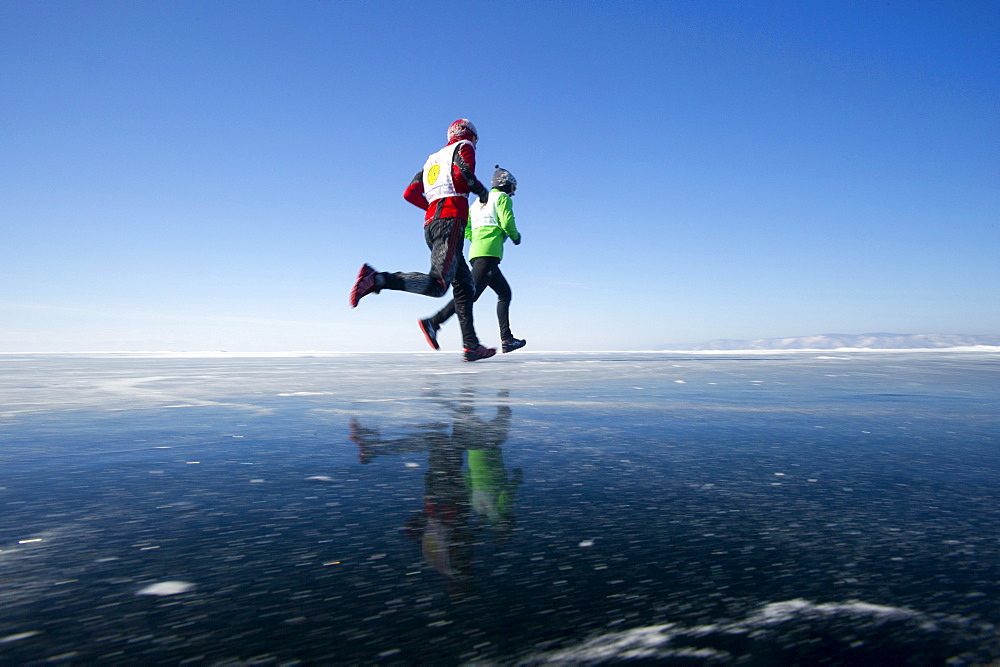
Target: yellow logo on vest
(433,173)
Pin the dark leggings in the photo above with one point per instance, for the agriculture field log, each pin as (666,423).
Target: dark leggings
(445,238)
(485,273)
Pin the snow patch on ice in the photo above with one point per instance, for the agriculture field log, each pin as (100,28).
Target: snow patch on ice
(665,641)
(166,588)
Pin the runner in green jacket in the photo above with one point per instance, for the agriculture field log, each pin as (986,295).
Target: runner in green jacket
(490,224)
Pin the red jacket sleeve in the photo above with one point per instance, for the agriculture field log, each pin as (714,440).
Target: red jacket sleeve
(414,192)
(463,171)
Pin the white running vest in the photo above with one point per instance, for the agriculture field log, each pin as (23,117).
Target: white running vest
(438,183)
(484,215)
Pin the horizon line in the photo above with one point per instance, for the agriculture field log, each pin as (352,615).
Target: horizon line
(222,354)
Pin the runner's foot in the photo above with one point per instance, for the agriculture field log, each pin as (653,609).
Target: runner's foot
(480,352)
(430,333)
(513,344)
(365,284)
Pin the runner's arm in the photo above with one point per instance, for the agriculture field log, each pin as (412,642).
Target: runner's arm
(505,216)
(414,192)
(464,167)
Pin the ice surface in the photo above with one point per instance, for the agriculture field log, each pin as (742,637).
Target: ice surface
(535,507)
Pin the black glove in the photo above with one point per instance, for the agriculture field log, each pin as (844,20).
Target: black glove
(484,196)
(518,241)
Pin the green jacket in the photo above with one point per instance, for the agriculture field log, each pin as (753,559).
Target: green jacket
(490,224)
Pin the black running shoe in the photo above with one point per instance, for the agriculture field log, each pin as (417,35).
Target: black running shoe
(513,344)
(480,352)
(430,333)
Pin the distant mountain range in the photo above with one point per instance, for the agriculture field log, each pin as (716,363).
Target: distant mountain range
(872,341)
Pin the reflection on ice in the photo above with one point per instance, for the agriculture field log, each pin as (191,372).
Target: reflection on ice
(466,477)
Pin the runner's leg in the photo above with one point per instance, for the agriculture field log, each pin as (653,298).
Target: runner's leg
(498,283)
(480,275)
(464,289)
(438,235)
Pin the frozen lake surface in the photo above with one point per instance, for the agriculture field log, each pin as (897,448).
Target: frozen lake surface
(569,508)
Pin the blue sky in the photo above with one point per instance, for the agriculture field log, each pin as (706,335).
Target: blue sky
(210,175)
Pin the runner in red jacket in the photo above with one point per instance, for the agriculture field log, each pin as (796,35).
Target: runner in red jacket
(442,189)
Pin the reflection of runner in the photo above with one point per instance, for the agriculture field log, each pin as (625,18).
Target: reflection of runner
(490,224)
(491,493)
(443,528)
(442,189)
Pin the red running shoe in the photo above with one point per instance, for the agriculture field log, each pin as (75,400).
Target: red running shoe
(365,284)
(480,352)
